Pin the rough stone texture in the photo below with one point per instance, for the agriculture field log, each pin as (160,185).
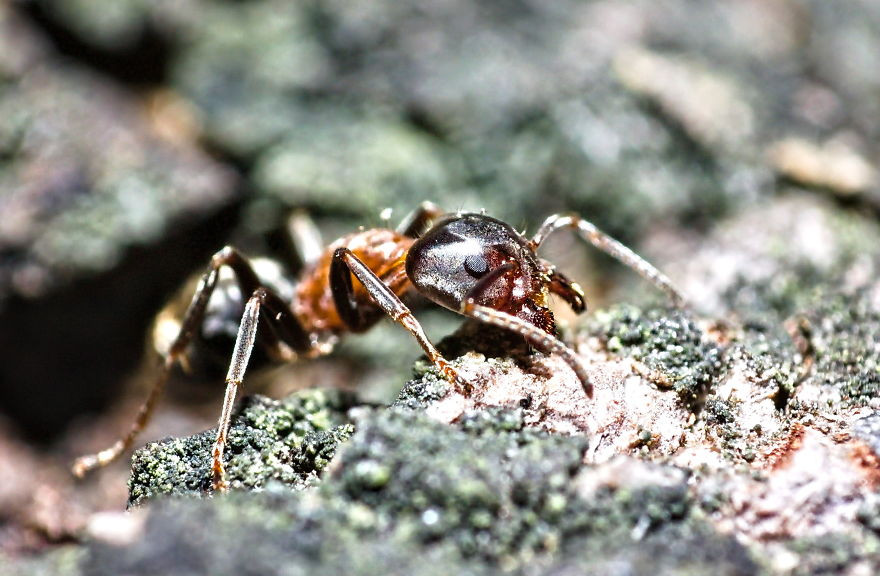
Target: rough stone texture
(772,421)
(625,413)
(527,474)
(571,101)
(69,207)
(733,142)
(763,264)
(479,497)
(290,442)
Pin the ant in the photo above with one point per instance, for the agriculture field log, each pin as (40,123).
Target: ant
(470,263)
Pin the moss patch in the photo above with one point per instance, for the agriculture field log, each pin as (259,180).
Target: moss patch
(407,495)
(289,441)
(668,343)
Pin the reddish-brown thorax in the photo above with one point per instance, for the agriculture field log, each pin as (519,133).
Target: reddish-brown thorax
(382,250)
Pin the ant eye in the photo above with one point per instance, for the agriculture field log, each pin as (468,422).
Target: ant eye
(476,265)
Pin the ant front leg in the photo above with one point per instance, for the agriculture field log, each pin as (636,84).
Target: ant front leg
(613,248)
(344,264)
(541,340)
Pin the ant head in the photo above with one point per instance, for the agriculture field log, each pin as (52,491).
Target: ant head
(449,260)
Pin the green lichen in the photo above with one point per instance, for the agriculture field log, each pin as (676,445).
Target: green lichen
(493,493)
(722,422)
(771,358)
(836,553)
(804,325)
(273,532)
(493,419)
(668,343)
(846,330)
(289,441)
(408,495)
(66,560)
(839,328)
(421,392)
(501,492)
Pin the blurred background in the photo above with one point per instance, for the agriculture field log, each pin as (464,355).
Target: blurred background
(139,136)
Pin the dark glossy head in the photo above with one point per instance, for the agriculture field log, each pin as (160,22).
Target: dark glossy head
(448,261)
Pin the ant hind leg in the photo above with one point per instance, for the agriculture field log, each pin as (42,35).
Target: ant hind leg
(244,345)
(285,328)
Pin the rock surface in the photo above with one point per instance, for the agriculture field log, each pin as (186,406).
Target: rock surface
(695,439)
(94,200)
(733,143)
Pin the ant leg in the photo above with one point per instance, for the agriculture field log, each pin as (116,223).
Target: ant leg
(248,281)
(612,247)
(419,220)
(283,324)
(540,339)
(344,264)
(305,240)
(283,328)
(244,345)
(566,289)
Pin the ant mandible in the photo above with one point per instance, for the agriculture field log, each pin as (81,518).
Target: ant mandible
(472,264)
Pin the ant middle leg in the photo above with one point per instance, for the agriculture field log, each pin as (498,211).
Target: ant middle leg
(419,220)
(303,241)
(288,330)
(612,247)
(357,317)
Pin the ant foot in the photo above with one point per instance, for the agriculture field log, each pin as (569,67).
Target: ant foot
(462,386)
(219,486)
(218,476)
(218,482)
(85,464)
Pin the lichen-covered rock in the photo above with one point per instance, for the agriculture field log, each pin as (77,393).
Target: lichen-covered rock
(674,351)
(628,413)
(357,163)
(763,264)
(289,441)
(70,210)
(98,207)
(845,338)
(521,112)
(738,437)
(526,474)
(406,493)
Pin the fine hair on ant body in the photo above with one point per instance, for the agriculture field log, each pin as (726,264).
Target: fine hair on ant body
(472,264)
